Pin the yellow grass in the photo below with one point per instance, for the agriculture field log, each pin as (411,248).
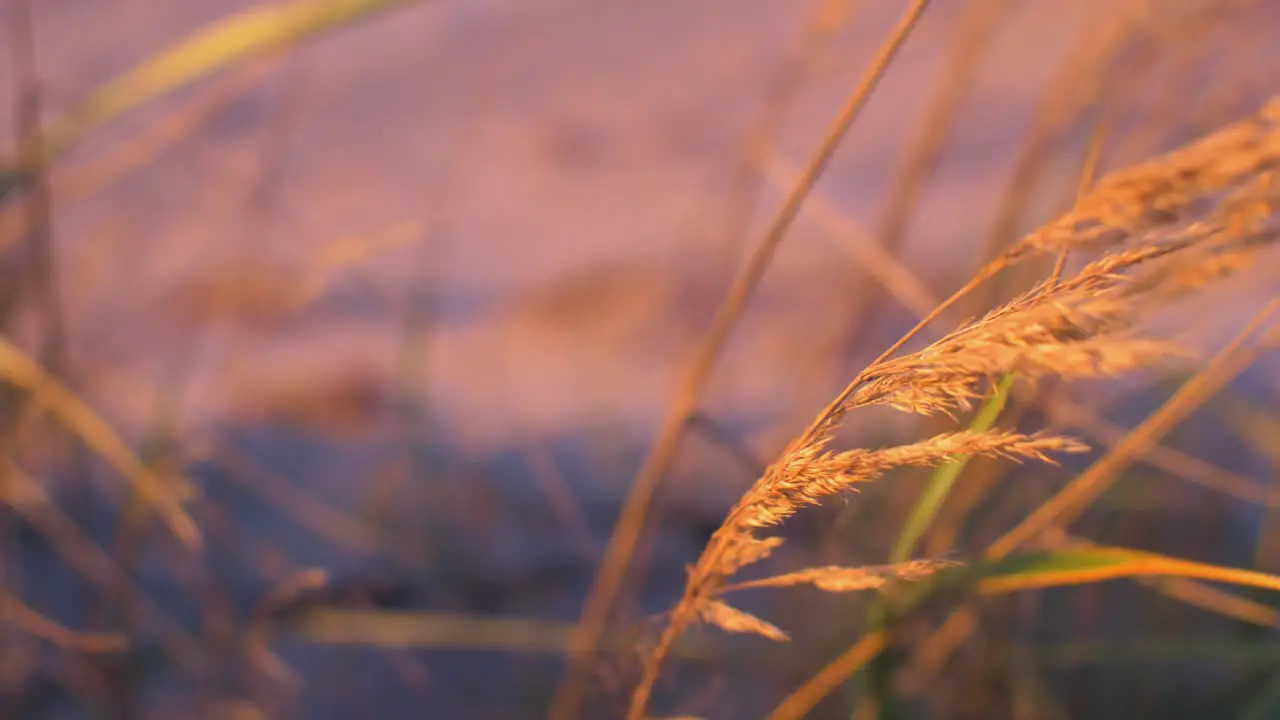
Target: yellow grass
(1153,249)
(1122,249)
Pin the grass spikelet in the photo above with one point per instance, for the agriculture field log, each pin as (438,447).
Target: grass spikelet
(744,550)
(834,578)
(802,480)
(168,499)
(1165,228)
(731,619)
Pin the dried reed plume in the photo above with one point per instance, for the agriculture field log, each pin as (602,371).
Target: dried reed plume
(1164,228)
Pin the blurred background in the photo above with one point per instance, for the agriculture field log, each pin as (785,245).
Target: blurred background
(398,306)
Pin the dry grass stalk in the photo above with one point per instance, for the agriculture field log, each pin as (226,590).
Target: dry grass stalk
(21,615)
(167,498)
(30,501)
(1191,592)
(630,525)
(1165,458)
(731,619)
(1155,222)
(1250,146)
(1081,491)
(1161,193)
(1058,511)
(977,28)
(834,578)
(1080,82)
(1071,501)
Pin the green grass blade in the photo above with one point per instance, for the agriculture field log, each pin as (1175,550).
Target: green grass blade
(1076,566)
(1016,573)
(944,478)
(168,496)
(875,683)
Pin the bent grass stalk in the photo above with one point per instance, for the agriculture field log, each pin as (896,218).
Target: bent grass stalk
(630,525)
(1018,574)
(1072,499)
(1155,235)
(167,499)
